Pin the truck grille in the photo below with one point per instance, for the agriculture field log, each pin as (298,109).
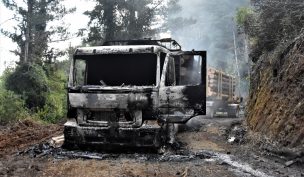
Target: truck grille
(110,116)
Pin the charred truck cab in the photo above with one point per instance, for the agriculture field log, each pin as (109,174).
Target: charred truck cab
(130,93)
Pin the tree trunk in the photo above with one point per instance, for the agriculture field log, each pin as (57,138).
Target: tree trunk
(109,19)
(28,36)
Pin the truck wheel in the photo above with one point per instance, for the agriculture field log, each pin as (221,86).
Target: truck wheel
(210,112)
(237,113)
(233,113)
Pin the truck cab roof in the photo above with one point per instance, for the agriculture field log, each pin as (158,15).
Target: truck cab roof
(127,49)
(132,46)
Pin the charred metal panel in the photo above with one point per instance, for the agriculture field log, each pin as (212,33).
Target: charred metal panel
(98,101)
(196,97)
(138,101)
(183,97)
(173,97)
(114,89)
(120,50)
(108,101)
(113,118)
(145,136)
(181,102)
(167,43)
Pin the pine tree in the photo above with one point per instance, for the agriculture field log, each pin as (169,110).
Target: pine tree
(120,19)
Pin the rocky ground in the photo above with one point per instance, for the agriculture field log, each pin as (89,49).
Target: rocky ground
(209,147)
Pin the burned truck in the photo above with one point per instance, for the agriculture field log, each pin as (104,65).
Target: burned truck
(130,93)
(222,97)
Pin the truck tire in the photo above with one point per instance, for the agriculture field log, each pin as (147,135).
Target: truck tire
(210,112)
(234,112)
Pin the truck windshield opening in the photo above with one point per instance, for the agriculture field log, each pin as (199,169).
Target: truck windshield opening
(116,70)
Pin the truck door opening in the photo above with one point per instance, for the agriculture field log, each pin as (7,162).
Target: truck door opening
(184,93)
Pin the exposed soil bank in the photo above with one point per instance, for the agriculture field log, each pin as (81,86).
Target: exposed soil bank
(276,105)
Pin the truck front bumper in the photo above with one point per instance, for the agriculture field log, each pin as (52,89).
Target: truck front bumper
(107,138)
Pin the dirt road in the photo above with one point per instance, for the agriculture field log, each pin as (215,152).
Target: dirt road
(205,151)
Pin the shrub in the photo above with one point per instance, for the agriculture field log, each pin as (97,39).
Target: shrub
(30,82)
(35,91)
(242,15)
(55,106)
(11,107)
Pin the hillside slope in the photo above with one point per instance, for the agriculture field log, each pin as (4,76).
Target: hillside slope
(276,105)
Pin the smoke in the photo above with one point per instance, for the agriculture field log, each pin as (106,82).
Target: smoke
(210,25)
(213,30)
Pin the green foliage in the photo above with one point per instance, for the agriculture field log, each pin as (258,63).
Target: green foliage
(34,92)
(64,67)
(242,15)
(30,82)
(120,19)
(55,107)
(11,107)
(276,22)
(35,87)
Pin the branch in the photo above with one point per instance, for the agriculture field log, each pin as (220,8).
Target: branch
(65,39)
(10,4)
(15,52)
(159,2)
(7,20)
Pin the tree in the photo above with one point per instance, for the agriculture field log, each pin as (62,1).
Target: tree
(174,22)
(29,81)
(31,34)
(272,23)
(120,19)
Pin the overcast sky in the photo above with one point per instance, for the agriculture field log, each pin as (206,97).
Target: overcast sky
(76,20)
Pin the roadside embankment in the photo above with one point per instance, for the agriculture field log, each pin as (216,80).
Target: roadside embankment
(276,106)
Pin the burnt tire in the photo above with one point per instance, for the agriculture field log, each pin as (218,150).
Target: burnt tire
(69,146)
